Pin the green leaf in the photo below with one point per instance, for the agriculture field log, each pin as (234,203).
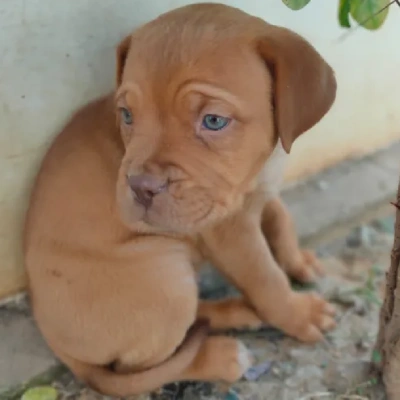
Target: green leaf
(376,357)
(371,14)
(296,4)
(40,393)
(373,381)
(344,13)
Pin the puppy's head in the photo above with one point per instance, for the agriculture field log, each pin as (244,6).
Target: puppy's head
(204,93)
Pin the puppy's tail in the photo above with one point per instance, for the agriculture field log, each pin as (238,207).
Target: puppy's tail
(112,383)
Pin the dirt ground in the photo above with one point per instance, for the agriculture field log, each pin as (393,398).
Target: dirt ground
(336,369)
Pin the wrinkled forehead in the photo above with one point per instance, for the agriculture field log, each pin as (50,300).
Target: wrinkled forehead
(164,64)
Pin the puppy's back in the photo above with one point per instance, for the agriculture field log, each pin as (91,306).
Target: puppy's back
(69,175)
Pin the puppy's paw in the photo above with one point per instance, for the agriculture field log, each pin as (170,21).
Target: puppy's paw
(305,267)
(313,316)
(234,358)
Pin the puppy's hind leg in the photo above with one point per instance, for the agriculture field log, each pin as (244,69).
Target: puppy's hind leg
(230,313)
(220,359)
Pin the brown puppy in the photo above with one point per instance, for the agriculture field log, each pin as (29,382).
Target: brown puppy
(122,212)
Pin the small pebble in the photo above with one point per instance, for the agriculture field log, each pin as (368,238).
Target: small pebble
(362,344)
(322,185)
(231,395)
(361,236)
(276,371)
(253,373)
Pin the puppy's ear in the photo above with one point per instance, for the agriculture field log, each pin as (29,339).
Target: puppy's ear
(122,53)
(304,84)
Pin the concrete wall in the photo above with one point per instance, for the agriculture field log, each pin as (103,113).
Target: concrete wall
(56,55)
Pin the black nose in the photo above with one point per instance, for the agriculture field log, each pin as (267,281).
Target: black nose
(145,187)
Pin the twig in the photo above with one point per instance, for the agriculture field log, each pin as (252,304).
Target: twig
(316,395)
(392,202)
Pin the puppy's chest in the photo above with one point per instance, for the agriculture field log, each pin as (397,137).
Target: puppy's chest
(270,178)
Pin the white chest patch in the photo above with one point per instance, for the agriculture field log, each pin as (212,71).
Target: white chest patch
(270,179)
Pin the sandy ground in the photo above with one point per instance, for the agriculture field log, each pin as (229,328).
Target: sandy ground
(337,368)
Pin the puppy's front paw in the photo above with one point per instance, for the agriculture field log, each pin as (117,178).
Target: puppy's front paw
(305,267)
(313,316)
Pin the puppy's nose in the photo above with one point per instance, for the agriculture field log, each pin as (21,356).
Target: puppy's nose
(145,187)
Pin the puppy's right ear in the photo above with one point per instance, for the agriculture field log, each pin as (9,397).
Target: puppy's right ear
(122,54)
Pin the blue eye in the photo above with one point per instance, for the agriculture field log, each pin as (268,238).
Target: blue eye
(215,122)
(126,116)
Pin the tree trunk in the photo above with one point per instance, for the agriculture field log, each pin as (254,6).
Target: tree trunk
(387,353)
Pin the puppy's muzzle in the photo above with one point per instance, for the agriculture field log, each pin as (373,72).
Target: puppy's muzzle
(145,187)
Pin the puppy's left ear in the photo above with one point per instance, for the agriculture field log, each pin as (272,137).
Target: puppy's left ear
(122,54)
(304,84)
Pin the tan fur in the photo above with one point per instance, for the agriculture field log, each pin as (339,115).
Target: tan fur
(113,284)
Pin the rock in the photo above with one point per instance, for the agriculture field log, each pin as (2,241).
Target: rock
(304,375)
(307,379)
(361,236)
(322,185)
(339,376)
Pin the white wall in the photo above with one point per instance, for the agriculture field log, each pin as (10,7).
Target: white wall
(56,55)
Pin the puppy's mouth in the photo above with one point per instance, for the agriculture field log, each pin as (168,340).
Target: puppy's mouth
(173,208)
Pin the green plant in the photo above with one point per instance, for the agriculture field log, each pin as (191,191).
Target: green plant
(370,14)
